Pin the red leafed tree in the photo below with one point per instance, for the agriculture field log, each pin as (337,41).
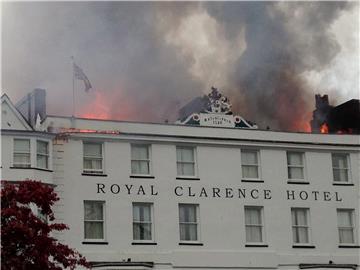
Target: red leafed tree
(26,242)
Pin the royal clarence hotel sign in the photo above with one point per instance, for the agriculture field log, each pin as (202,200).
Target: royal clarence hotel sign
(217,192)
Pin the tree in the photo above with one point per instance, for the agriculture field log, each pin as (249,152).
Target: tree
(26,242)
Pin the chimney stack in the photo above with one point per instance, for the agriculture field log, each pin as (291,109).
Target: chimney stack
(33,104)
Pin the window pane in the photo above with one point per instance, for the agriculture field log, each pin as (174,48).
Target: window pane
(139,152)
(92,164)
(142,212)
(188,232)
(339,160)
(21,145)
(185,154)
(187,213)
(42,161)
(249,157)
(254,234)
(346,235)
(93,210)
(295,173)
(94,230)
(22,159)
(295,159)
(140,167)
(250,171)
(340,175)
(142,231)
(300,235)
(344,218)
(186,169)
(299,217)
(42,147)
(92,149)
(252,216)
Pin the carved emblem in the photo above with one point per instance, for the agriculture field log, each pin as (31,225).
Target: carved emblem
(218,103)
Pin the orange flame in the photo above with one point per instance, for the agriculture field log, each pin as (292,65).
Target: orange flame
(97,109)
(324,128)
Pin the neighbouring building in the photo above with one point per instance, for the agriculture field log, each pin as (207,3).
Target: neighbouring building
(209,192)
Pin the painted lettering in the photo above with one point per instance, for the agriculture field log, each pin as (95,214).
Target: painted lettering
(337,198)
(177,191)
(141,190)
(242,193)
(316,193)
(267,194)
(129,187)
(252,194)
(203,193)
(216,192)
(327,196)
(190,193)
(153,191)
(303,195)
(290,194)
(115,189)
(229,193)
(100,187)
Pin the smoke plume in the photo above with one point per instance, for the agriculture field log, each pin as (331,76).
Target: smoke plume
(147,59)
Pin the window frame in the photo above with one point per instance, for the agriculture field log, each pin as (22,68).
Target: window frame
(262,225)
(197,223)
(148,160)
(103,222)
(46,155)
(307,226)
(93,171)
(152,223)
(303,166)
(194,149)
(18,165)
(353,226)
(258,165)
(348,169)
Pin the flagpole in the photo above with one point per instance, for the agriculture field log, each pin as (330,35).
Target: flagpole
(73,87)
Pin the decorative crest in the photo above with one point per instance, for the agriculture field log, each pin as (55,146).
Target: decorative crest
(218,103)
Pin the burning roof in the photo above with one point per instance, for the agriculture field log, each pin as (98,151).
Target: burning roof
(344,118)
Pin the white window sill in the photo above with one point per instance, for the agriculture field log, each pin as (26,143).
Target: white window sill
(298,182)
(254,180)
(145,242)
(187,177)
(342,183)
(94,242)
(142,176)
(190,243)
(86,173)
(256,245)
(305,245)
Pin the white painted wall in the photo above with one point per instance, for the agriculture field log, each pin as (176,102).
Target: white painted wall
(221,219)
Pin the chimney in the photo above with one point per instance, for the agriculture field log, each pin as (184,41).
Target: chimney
(321,112)
(32,104)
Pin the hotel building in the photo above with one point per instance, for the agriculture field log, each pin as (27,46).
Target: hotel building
(209,192)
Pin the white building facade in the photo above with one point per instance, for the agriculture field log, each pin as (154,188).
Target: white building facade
(164,196)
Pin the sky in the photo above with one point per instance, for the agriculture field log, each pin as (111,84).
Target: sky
(145,60)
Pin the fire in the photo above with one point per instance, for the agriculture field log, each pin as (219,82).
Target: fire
(99,108)
(324,128)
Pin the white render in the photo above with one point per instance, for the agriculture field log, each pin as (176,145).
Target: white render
(218,165)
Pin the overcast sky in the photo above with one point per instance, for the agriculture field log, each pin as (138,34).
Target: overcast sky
(147,59)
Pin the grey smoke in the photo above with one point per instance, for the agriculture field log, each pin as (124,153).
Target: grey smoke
(123,49)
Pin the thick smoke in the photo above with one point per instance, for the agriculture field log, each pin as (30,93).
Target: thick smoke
(145,60)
